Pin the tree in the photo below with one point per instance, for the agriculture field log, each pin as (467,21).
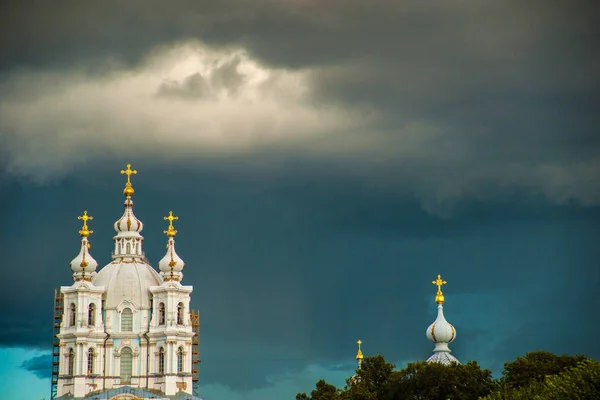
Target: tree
(535,366)
(370,380)
(581,382)
(323,391)
(434,381)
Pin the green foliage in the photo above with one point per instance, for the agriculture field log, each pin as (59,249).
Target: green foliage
(434,381)
(536,376)
(581,382)
(323,391)
(535,366)
(370,381)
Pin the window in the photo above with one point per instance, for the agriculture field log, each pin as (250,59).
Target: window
(161,314)
(126,365)
(90,361)
(161,361)
(92,314)
(72,314)
(180,314)
(180,360)
(126,320)
(70,362)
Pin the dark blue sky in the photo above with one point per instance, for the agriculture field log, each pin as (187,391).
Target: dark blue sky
(326,161)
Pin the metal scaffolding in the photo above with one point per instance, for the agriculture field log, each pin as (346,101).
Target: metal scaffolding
(58,313)
(195,317)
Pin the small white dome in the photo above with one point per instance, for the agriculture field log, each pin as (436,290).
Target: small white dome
(128,223)
(84,264)
(171,264)
(127,280)
(441,331)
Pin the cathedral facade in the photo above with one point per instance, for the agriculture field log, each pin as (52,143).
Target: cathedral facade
(126,328)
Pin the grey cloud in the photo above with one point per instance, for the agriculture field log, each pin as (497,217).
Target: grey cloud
(227,75)
(196,86)
(192,87)
(510,87)
(40,366)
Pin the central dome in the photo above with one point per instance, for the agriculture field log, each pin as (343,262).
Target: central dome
(127,280)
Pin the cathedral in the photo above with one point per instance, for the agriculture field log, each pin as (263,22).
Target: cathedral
(125,331)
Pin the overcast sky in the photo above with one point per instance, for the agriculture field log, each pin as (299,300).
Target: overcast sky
(327,159)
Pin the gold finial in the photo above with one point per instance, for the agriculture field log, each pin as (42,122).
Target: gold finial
(128,191)
(439,297)
(171,232)
(85,232)
(359,355)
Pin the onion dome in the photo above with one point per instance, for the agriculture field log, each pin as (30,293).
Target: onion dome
(128,224)
(171,264)
(84,265)
(441,332)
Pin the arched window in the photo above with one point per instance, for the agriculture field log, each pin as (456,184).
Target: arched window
(70,362)
(90,361)
(126,320)
(128,248)
(180,314)
(92,314)
(161,314)
(126,365)
(72,314)
(161,361)
(180,360)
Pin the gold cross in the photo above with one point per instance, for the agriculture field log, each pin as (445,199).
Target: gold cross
(359,343)
(128,172)
(171,229)
(84,230)
(439,282)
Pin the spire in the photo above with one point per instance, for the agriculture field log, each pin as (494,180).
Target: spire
(128,241)
(359,358)
(441,332)
(359,354)
(84,265)
(171,264)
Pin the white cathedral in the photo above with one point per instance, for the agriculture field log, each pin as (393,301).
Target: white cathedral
(126,331)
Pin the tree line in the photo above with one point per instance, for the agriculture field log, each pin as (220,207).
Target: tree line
(536,375)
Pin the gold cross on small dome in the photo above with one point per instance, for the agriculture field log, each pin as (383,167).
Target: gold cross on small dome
(439,298)
(171,232)
(84,232)
(128,191)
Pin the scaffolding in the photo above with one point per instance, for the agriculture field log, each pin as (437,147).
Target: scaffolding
(58,313)
(195,317)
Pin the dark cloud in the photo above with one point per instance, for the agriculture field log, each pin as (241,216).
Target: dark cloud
(40,366)
(223,77)
(193,87)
